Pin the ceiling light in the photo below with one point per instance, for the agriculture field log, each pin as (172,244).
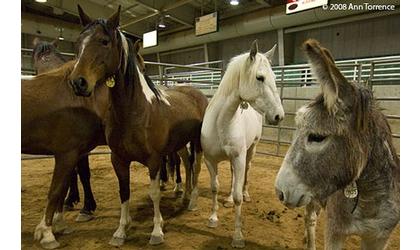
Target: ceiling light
(41,1)
(61,38)
(161,24)
(234,2)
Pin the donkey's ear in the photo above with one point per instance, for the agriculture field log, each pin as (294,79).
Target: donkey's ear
(84,19)
(328,55)
(324,69)
(114,20)
(254,50)
(270,54)
(35,41)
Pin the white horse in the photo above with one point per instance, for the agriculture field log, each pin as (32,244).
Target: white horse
(231,132)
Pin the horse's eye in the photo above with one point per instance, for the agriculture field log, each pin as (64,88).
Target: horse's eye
(260,78)
(104,42)
(316,138)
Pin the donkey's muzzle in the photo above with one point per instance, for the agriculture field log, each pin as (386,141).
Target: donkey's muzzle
(80,86)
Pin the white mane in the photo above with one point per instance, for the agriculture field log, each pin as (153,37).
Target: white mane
(237,68)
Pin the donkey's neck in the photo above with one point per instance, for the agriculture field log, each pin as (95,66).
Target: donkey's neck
(379,181)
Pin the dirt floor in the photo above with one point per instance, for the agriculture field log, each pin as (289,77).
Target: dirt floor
(267,224)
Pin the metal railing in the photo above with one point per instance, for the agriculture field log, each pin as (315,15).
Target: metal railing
(370,71)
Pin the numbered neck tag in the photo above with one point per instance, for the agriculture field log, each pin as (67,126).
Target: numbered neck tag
(351,191)
(110,82)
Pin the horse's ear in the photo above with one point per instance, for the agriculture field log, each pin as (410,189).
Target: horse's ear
(35,41)
(84,19)
(270,54)
(324,69)
(254,50)
(114,20)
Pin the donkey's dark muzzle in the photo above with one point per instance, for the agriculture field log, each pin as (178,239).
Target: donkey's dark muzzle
(80,87)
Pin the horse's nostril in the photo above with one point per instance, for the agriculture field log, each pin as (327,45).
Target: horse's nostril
(82,83)
(281,195)
(277,118)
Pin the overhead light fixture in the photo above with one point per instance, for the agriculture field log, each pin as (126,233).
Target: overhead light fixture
(41,1)
(161,23)
(234,2)
(61,38)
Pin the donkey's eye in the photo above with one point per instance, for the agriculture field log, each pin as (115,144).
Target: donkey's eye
(316,138)
(104,42)
(260,78)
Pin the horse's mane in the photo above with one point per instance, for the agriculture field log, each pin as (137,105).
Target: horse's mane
(132,68)
(230,80)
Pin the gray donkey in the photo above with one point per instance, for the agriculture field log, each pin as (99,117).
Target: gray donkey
(342,156)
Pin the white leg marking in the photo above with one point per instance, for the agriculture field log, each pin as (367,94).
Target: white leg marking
(121,234)
(44,234)
(154,193)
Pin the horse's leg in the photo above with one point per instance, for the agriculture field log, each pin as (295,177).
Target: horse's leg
(89,205)
(176,164)
(64,164)
(59,224)
(170,166)
(122,170)
(311,215)
(154,193)
(214,182)
(183,153)
(229,200)
(249,155)
(73,195)
(163,173)
(196,173)
(374,243)
(238,164)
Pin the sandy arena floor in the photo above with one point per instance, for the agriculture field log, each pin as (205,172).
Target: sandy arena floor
(267,224)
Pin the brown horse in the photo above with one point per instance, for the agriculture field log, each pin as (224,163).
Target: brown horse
(47,57)
(143,124)
(55,121)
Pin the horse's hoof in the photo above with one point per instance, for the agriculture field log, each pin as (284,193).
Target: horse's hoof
(156,240)
(228,204)
(82,217)
(116,242)
(50,244)
(247,198)
(212,223)
(238,243)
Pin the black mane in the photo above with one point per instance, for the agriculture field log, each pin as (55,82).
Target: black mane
(131,71)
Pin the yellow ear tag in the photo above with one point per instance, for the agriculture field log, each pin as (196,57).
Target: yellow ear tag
(110,82)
